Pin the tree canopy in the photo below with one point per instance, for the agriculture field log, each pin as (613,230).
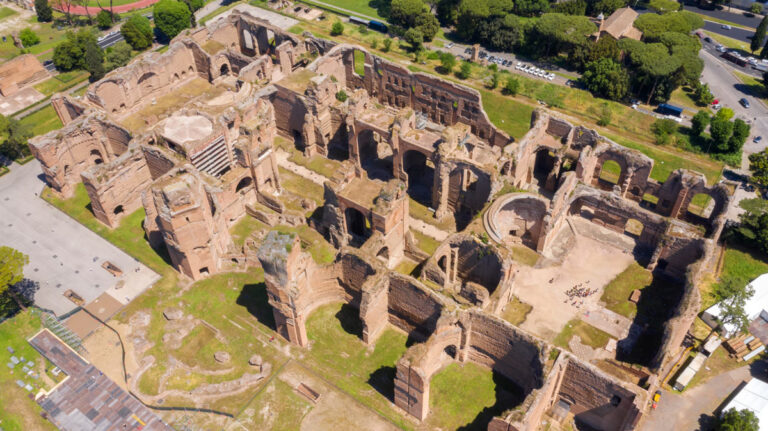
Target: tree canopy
(137,32)
(171,17)
(739,420)
(606,78)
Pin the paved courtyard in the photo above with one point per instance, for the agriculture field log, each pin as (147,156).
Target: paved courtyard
(63,254)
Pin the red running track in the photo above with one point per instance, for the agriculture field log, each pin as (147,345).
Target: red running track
(93,10)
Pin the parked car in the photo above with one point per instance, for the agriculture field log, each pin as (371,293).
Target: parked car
(757,139)
(744,102)
(720,48)
(708,39)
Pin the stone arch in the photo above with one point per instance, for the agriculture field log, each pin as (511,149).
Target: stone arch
(375,153)
(518,217)
(96,157)
(610,172)
(469,188)
(147,83)
(118,210)
(357,224)
(420,176)
(243,184)
(111,94)
(383,254)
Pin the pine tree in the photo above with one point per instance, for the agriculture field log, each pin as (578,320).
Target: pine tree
(44,11)
(757,38)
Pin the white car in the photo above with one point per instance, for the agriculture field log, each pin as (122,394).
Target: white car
(449,45)
(725,27)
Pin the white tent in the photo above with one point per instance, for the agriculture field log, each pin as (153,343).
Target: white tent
(753,396)
(757,304)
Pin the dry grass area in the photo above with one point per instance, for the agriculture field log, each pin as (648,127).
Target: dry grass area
(169,103)
(589,335)
(516,311)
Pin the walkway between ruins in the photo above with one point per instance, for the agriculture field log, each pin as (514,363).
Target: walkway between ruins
(427,229)
(282,160)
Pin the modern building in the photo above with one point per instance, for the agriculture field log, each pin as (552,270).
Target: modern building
(753,396)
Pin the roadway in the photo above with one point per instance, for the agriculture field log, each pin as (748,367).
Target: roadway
(739,18)
(728,90)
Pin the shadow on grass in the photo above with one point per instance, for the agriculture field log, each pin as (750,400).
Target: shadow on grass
(349,318)
(383,380)
(508,396)
(254,298)
(754,90)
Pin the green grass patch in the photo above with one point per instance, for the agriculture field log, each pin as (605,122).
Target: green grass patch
(17,411)
(61,82)
(42,121)
(359,63)
(312,242)
(301,186)
(525,255)
(743,265)
(754,86)
(425,242)
(516,311)
(406,267)
(277,407)
(667,160)
(589,335)
(729,42)
(5,12)
(361,7)
(244,228)
(458,394)
(421,212)
(317,163)
(616,293)
(610,172)
(339,354)
(507,114)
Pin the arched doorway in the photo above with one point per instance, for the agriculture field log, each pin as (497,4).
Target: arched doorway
(243,184)
(545,162)
(118,210)
(357,225)
(383,254)
(224,70)
(610,173)
(420,176)
(96,157)
(375,155)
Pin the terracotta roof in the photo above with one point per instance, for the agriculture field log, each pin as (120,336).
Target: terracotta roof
(620,24)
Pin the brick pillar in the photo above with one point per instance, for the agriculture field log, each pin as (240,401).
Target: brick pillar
(411,391)
(373,311)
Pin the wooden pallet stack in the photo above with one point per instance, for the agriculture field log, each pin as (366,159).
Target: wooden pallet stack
(742,345)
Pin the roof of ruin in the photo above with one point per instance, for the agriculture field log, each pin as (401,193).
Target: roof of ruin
(182,129)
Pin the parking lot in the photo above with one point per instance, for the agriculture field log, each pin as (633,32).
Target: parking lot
(63,254)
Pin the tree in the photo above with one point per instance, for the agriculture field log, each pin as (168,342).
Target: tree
(740,134)
(104,19)
(724,114)
(137,32)
(447,63)
(337,29)
(427,25)
(606,78)
(94,61)
(732,294)
(511,87)
(11,272)
(171,17)
(530,7)
(15,145)
(758,165)
(664,6)
(494,82)
(28,37)
(560,31)
(70,54)
(117,55)
(605,115)
(414,37)
(703,95)
(387,45)
(756,8)
(699,122)
(606,7)
(44,11)
(720,130)
(570,7)
(757,38)
(464,70)
(66,7)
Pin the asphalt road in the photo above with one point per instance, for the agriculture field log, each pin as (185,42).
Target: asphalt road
(736,16)
(728,90)
(110,39)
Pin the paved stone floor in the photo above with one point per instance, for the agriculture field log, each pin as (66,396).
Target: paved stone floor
(63,254)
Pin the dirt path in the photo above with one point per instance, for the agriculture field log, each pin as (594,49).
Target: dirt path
(282,160)
(427,229)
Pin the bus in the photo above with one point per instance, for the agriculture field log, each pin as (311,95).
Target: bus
(666,109)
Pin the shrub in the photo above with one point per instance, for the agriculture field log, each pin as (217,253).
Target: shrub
(387,45)
(511,87)
(28,37)
(104,19)
(337,29)
(464,71)
(341,96)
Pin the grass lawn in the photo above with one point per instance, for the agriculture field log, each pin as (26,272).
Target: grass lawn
(516,311)
(61,82)
(458,394)
(338,353)
(317,163)
(17,412)
(525,255)
(277,407)
(590,335)
(42,121)
(729,42)
(743,265)
(668,160)
(616,293)
(425,242)
(611,171)
(5,12)
(683,97)
(755,87)
(506,113)
(421,212)
(362,7)
(406,267)
(244,228)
